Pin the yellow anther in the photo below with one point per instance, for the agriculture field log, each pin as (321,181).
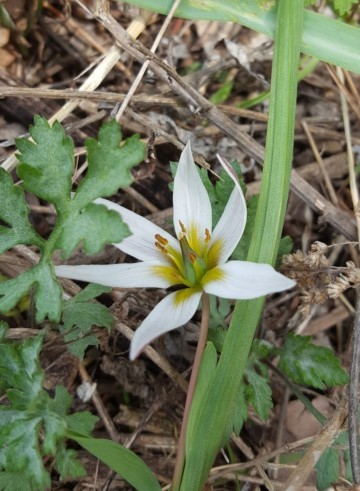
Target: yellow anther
(192,257)
(182,226)
(161,247)
(207,235)
(161,240)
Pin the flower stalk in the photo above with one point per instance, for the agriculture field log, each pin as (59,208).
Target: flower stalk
(204,327)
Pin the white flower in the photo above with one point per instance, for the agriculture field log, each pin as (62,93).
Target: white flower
(195,262)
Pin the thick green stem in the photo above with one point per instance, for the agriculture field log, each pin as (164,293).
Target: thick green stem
(219,400)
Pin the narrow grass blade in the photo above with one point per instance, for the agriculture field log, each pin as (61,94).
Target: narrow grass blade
(329,40)
(218,402)
(120,459)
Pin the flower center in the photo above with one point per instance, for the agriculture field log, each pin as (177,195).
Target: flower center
(191,265)
(194,265)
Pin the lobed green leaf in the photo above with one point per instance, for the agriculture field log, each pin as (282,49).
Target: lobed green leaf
(238,416)
(46,164)
(14,213)
(343,6)
(308,364)
(33,425)
(327,469)
(257,390)
(67,463)
(20,451)
(80,315)
(93,227)
(14,480)
(109,164)
(20,374)
(46,286)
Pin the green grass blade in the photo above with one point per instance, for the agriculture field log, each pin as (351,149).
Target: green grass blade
(329,40)
(120,459)
(219,399)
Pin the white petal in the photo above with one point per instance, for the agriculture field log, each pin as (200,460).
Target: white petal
(230,227)
(191,201)
(245,280)
(141,244)
(173,311)
(137,275)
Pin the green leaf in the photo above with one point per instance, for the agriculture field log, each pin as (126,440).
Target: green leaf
(14,480)
(42,277)
(223,93)
(68,465)
(328,466)
(239,415)
(224,387)
(258,392)
(20,373)
(308,364)
(11,291)
(55,428)
(47,287)
(46,166)
(47,163)
(82,422)
(320,37)
(33,425)
(14,213)
(219,309)
(109,164)
(285,247)
(207,369)
(20,452)
(343,6)
(61,402)
(92,290)
(80,315)
(94,227)
(242,249)
(327,469)
(122,460)
(109,168)
(3,328)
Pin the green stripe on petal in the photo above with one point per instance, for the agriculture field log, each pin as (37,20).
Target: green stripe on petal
(170,274)
(182,296)
(215,252)
(216,274)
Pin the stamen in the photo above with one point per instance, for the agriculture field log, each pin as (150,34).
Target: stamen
(207,235)
(161,240)
(182,226)
(192,257)
(161,247)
